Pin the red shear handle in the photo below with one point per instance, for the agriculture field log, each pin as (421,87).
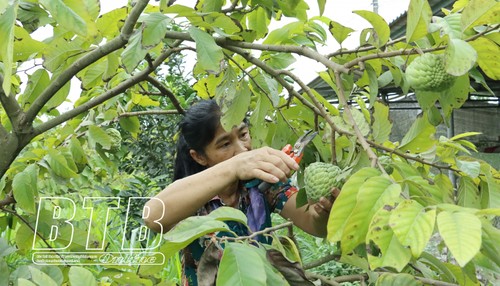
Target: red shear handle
(288,149)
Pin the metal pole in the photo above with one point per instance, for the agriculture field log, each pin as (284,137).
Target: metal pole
(375,6)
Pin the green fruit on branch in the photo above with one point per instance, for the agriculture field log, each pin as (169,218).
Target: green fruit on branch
(320,178)
(116,139)
(428,73)
(386,162)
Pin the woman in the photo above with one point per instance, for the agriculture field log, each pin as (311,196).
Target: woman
(210,170)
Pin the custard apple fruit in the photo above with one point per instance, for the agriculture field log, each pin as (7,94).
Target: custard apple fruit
(116,139)
(320,178)
(428,73)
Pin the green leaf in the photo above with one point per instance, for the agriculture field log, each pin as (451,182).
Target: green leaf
(209,5)
(131,124)
(188,230)
(42,278)
(98,135)
(77,151)
(490,238)
(398,279)
(455,96)
(420,137)
(229,214)
(65,16)
(339,32)
(321,6)
(419,17)
(344,204)
(24,187)
(273,277)
(488,56)
(25,47)
(460,57)
(413,225)
(60,52)
(235,109)
(449,25)
(379,24)
(241,265)
(37,82)
(372,83)
(209,54)
(79,276)
(479,12)
(59,165)
(93,75)
(375,193)
(134,53)
(470,168)
(7,23)
(461,232)
(109,24)
(382,125)
(468,193)
(392,253)
(4,269)
(25,282)
(155,27)
(258,21)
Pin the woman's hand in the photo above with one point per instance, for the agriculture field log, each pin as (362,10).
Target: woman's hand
(323,207)
(265,163)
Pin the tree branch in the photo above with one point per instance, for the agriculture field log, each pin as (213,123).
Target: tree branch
(257,233)
(324,279)
(87,60)
(123,86)
(321,261)
(148,112)
(163,89)
(12,108)
(364,49)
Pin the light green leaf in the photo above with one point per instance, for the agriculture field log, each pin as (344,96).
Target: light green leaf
(419,17)
(283,35)
(470,168)
(229,214)
(155,27)
(209,5)
(77,151)
(4,269)
(41,278)
(379,24)
(142,100)
(468,193)
(134,53)
(7,23)
(360,121)
(241,265)
(421,188)
(273,277)
(234,110)
(24,187)
(345,203)
(65,16)
(25,282)
(479,12)
(113,63)
(98,135)
(397,279)
(392,253)
(455,96)
(488,56)
(187,231)
(59,53)
(209,54)
(375,193)
(449,25)
(420,137)
(25,47)
(321,6)
(461,232)
(79,276)
(258,21)
(109,24)
(339,31)
(37,82)
(490,246)
(59,165)
(93,75)
(460,57)
(413,225)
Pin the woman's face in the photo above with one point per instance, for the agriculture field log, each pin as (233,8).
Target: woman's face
(227,144)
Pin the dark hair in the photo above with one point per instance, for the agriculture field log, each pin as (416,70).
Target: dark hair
(197,130)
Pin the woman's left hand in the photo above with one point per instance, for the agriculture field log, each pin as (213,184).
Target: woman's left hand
(324,205)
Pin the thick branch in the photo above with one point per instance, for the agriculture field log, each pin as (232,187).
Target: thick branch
(87,60)
(12,108)
(321,261)
(163,89)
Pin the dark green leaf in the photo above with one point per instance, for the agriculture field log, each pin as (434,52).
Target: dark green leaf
(59,165)
(209,54)
(134,53)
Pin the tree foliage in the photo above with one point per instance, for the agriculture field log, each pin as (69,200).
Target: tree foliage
(387,217)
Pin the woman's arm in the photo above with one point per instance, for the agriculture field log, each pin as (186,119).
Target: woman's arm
(184,197)
(311,218)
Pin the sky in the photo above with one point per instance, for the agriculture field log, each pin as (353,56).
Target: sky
(337,10)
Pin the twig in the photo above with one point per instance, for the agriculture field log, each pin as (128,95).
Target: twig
(324,279)
(260,232)
(163,89)
(321,261)
(364,49)
(148,112)
(9,199)
(13,212)
(12,109)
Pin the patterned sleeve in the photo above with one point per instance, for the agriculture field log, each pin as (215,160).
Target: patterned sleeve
(279,195)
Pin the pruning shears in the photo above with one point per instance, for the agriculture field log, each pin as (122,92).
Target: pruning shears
(295,152)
